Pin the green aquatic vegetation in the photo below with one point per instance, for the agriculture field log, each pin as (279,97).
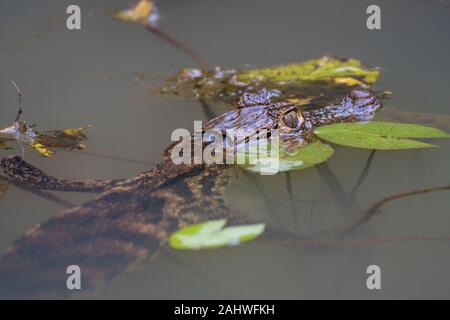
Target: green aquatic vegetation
(303,158)
(328,76)
(377,135)
(324,69)
(213,234)
(380,135)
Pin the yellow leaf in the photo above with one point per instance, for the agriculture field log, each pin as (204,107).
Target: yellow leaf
(349,81)
(138,13)
(44,151)
(77,131)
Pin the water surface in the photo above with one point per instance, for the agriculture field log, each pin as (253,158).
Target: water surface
(103,75)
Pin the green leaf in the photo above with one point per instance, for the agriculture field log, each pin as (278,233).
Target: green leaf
(305,157)
(212,234)
(379,135)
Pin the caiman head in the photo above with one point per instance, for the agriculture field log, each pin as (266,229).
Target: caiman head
(256,115)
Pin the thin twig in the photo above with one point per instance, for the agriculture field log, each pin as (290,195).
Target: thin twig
(19,112)
(374,209)
(178,44)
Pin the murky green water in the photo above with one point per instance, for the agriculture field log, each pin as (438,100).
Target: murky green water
(70,78)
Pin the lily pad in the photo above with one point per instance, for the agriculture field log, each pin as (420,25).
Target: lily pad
(379,135)
(305,157)
(212,234)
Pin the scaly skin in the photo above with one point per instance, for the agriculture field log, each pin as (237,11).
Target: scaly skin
(132,218)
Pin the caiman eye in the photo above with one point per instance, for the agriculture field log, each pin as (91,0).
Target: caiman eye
(291,119)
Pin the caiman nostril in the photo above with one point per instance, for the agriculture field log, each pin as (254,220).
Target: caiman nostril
(359,94)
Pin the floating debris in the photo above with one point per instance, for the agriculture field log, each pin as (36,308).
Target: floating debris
(42,142)
(144,11)
(301,81)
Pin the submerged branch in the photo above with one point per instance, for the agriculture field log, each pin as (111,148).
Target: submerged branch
(363,174)
(178,44)
(346,203)
(375,209)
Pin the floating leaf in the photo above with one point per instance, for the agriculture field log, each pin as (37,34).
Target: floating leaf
(138,13)
(379,135)
(305,157)
(212,234)
(324,69)
(77,132)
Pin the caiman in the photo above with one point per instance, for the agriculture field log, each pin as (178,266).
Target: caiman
(132,218)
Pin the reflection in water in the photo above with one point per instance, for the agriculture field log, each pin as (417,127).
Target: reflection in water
(63,90)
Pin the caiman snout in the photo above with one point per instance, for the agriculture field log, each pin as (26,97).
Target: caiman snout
(365,100)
